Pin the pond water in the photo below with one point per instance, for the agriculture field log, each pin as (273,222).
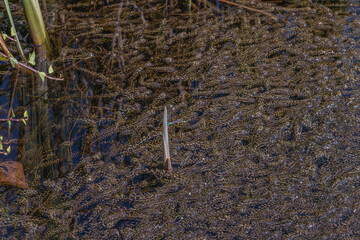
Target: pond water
(265,142)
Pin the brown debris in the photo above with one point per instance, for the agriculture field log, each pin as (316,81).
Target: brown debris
(12,173)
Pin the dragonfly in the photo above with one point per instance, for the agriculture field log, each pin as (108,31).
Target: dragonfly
(177,121)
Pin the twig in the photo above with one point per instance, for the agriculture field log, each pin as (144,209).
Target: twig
(250,9)
(8,53)
(31,69)
(11,119)
(4,47)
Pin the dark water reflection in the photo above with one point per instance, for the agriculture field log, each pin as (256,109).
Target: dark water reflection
(270,144)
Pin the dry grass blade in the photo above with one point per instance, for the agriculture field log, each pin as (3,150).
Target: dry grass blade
(250,9)
(167,160)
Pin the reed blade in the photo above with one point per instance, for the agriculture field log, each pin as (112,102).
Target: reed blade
(167,161)
(18,45)
(36,23)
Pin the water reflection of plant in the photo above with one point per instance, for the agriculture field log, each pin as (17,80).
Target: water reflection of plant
(9,120)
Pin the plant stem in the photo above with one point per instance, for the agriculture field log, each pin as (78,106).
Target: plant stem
(36,23)
(27,68)
(167,160)
(18,45)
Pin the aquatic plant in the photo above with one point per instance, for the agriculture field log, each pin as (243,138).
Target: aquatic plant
(38,35)
(35,20)
(270,149)
(215,6)
(24,67)
(36,25)
(39,58)
(13,29)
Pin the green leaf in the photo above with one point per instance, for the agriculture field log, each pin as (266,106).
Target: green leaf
(32,58)
(26,115)
(9,123)
(13,61)
(4,35)
(12,113)
(8,149)
(5,153)
(1,138)
(23,121)
(1,14)
(13,33)
(51,70)
(42,75)
(3,58)
(1,146)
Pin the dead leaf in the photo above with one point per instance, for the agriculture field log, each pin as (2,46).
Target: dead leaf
(12,173)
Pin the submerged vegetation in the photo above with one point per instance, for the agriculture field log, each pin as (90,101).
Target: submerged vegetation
(269,148)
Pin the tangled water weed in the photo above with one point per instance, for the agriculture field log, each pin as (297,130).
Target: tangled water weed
(269,149)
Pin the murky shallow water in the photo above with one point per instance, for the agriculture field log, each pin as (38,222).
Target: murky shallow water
(270,144)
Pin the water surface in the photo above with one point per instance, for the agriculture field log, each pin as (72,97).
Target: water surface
(270,144)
